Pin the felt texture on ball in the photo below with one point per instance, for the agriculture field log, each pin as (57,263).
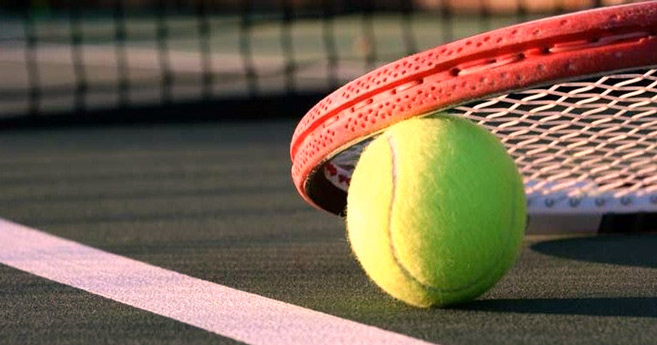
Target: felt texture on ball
(436,210)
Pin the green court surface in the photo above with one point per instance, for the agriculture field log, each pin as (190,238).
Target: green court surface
(215,201)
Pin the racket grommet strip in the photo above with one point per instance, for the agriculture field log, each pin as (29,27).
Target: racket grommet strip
(653,199)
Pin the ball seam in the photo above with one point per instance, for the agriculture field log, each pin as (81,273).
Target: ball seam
(405,271)
(402,267)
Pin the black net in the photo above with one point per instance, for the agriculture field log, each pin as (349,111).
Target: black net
(218,58)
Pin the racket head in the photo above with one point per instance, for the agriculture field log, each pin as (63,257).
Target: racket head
(563,48)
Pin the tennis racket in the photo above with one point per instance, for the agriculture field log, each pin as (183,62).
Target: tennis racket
(573,98)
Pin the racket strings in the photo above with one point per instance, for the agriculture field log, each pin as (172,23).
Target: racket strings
(588,138)
(585,144)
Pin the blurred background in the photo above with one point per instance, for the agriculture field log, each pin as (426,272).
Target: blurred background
(131,60)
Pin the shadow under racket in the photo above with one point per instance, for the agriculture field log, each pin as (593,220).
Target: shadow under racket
(597,306)
(617,249)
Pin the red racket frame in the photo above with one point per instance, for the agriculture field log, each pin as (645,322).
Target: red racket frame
(518,57)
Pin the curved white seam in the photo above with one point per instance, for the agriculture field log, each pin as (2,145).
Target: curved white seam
(405,271)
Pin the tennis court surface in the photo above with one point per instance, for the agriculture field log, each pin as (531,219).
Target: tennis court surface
(119,226)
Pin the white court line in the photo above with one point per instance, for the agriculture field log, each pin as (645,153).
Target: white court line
(219,309)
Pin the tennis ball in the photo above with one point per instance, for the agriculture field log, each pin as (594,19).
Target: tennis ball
(436,211)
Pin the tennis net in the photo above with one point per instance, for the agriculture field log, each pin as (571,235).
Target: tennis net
(80,59)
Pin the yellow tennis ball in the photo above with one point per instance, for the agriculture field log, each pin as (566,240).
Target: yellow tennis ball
(436,211)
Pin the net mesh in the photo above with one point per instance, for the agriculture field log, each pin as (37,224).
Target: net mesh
(72,57)
(586,145)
